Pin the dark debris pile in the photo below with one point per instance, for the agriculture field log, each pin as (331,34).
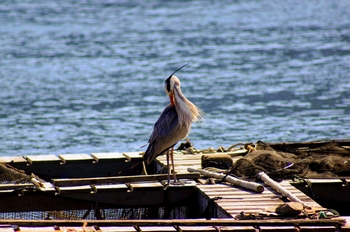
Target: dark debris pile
(325,160)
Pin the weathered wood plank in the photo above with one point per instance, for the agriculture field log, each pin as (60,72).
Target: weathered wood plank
(182,157)
(46,228)
(42,158)
(107,156)
(234,212)
(346,226)
(146,184)
(12,159)
(277,228)
(236,228)
(329,182)
(118,179)
(317,228)
(239,203)
(181,222)
(117,229)
(6,228)
(156,228)
(15,186)
(73,157)
(75,189)
(77,229)
(112,187)
(132,155)
(196,228)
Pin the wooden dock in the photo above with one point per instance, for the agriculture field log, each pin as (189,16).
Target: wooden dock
(89,181)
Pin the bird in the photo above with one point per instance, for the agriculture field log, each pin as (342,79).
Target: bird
(173,125)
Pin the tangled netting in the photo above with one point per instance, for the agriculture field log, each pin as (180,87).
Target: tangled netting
(11,174)
(325,161)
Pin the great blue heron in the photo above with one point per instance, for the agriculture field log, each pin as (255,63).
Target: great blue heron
(173,124)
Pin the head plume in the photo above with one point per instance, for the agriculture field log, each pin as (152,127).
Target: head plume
(167,81)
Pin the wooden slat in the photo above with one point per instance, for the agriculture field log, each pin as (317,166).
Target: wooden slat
(15,186)
(196,228)
(113,187)
(317,228)
(346,226)
(77,229)
(42,158)
(148,184)
(117,229)
(182,157)
(234,212)
(73,157)
(80,189)
(118,179)
(132,155)
(239,203)
(321,223)
(26,229)
(156,228)
(236,228)
(107,156)
(244,207)
(12,159)
(328,182)
(277,228)
(6,228)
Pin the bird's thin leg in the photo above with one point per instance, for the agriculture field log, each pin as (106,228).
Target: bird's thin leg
(172,163)
(168,165)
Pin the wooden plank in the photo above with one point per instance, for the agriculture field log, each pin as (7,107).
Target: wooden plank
(73,157)
(196,228)
(181,157)
(186,162)
(239,203)
(107,156)
(132,155)
(156,228)
(146,184)
(75,189)
(6,228)
(117,229)
(317,228)
(328,182)
(118,179)
(46,228)
(346,226)
(77,229)
(322,223)
(233,212)
(42,158)
(245,208)
(277,228)
(236,228)
(12,159)
(15,186)
(112,187)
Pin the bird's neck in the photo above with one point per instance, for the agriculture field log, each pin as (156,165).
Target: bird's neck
(186,110)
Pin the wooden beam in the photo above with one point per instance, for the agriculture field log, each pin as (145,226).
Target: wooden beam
(179,222)
(119,179)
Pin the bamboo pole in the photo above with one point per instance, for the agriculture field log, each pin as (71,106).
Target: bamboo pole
(241,183)
(276,186)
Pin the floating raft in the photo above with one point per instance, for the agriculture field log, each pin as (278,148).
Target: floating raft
(105,192)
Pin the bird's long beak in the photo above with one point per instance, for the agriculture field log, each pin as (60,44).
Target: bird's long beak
(172,100)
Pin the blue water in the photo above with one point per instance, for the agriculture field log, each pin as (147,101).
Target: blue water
(87,76)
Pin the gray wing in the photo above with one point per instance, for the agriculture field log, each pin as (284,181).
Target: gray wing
(167,131)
